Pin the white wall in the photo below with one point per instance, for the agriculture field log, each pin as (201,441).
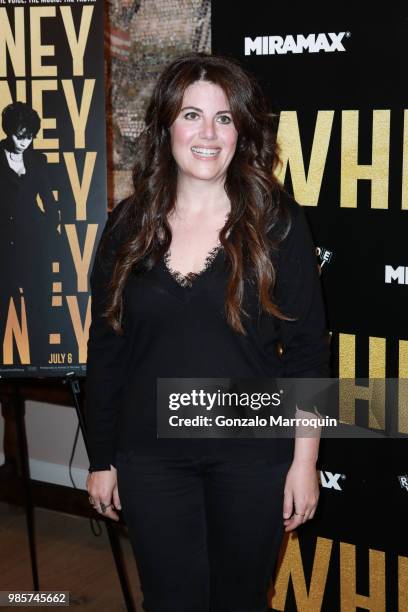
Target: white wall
(50,437)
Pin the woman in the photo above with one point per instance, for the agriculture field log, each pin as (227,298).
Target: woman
(29,222)
(202,273)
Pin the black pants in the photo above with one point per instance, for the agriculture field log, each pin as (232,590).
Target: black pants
(205,532)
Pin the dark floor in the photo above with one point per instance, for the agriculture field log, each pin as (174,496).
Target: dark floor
(70,558)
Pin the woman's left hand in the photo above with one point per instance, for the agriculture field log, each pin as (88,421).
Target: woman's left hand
(301,494)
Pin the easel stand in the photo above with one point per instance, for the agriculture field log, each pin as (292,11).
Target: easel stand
(22,447)
(19,409)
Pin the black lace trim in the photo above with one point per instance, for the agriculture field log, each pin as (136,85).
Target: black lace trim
(187,280)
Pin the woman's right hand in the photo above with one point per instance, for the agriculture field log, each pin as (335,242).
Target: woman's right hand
(102,487)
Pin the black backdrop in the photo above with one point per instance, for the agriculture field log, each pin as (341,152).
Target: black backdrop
(363,505)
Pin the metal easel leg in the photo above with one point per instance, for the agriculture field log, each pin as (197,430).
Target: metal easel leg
(19,411)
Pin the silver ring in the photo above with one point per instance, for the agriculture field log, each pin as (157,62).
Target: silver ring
(104,507)
(91,500)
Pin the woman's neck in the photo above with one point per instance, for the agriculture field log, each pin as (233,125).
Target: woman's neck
(196,196)
(15,156)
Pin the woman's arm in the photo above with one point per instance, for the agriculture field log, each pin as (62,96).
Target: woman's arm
(301,487)
(107,359)
(305,340)
(306,448)
(305,354)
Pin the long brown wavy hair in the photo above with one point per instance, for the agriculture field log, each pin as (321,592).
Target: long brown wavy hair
(250,185)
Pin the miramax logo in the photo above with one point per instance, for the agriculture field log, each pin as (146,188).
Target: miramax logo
(399,275)
(403,480)
(329,480)
(296,43)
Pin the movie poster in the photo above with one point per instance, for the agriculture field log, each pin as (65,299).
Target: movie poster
(52,181)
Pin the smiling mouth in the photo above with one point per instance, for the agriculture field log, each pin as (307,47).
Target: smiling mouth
(205,152)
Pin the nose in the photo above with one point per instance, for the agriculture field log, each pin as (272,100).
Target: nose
(207,129)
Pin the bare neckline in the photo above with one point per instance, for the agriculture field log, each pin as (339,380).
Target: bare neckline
(187,280)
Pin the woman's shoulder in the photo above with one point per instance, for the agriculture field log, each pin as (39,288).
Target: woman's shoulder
(288,206)
(291,235)
(118,210)
(287,210)
(116,228)
(36,162)
(36,157)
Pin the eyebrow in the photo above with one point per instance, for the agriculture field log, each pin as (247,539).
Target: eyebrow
(200,110)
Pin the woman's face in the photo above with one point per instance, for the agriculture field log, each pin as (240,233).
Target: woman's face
(21,141)
(203,136)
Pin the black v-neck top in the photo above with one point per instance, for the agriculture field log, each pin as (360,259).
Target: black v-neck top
(178,330)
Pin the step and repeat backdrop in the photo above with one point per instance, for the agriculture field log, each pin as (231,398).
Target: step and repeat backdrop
(337,85)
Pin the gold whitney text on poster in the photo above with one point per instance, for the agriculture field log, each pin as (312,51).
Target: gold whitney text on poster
(51,61)
(309,592)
